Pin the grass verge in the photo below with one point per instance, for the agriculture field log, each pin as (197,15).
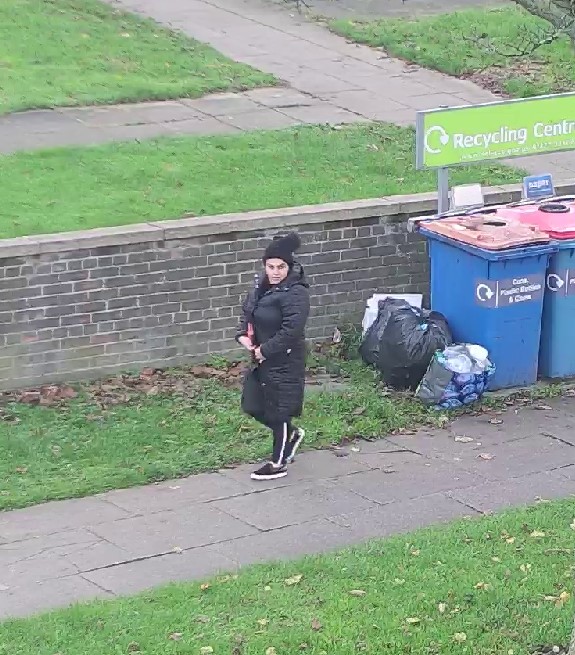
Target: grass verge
(79,52)
(123,183)
(127,431)
(496,585)
(481,44)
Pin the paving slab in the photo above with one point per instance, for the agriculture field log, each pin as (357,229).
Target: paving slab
(403,516)
(519,457)
(132,114)
(289,542)
(133,577)
(567,471)
(19,550)
(262,119)
(32,598)
(57,517)
(409,477)
(524,490)
(172,495)
(162,532)
(278,508)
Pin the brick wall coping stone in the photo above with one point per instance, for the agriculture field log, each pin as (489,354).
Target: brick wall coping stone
(392,207)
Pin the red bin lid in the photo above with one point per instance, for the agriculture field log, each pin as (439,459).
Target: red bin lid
(557,219)
(487,231)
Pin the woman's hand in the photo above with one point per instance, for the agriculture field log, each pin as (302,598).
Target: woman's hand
(246,342)
(258,355)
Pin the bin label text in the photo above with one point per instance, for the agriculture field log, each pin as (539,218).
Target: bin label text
(514,291)
(561,283)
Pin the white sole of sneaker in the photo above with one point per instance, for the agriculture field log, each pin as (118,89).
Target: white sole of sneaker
(271,476)
(296,445)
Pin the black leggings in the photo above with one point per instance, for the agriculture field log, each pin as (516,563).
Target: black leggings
(281,436)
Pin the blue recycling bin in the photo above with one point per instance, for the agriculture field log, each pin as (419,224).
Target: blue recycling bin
(494,299)
(557,354)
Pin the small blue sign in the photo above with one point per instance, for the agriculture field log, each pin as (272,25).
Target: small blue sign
(536,187)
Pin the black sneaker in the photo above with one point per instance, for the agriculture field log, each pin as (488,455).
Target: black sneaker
(270,472)
(294,443)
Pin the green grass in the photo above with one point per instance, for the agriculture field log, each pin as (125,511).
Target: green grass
(449,44)
(487,587)
(79,52)
(80,448)
(123,183)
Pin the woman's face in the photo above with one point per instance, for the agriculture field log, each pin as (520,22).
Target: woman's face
(276,270)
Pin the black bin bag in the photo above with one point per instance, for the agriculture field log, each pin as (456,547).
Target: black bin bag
(408,341)
(369,348)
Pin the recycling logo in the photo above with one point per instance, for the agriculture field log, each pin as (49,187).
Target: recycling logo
(435,138)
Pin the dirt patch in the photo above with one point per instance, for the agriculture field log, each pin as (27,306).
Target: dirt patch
(496,77)
(125,388)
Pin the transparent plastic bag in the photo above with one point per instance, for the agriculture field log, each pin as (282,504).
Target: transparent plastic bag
(457,376)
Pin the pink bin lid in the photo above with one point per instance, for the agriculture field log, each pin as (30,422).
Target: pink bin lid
(557,219)
(486,231)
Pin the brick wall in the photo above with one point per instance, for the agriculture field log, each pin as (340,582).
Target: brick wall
(79,305)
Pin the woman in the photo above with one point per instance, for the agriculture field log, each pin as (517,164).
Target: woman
(272,328)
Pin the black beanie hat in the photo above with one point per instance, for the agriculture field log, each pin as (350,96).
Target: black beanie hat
(283,248)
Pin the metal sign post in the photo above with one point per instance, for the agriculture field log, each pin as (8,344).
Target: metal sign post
(442,189)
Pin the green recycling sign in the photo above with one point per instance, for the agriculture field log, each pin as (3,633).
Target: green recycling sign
(496,130)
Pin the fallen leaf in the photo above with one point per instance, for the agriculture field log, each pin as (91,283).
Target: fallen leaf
(460,637)
(572,526)
(416,552)
(412,620)
(22,469)
(205,586)
(271,651)
(442,607)
(177,549)
(202,618)
(463,439)
(496,559)
(537,533)
(316,625)
(296,579)
(175,636)
(494,421)
(357,592)
(485,456)
(399,581)
(267,588)
(562,598)
(525,568)
(206,650)
(134,647)
(263,622)
(482,585)
(543,407)
(510,540)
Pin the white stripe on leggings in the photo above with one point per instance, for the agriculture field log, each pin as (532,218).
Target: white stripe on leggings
(284,440)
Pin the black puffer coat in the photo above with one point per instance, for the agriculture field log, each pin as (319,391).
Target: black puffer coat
(274,391)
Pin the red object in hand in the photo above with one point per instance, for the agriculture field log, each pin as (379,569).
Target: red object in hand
(251,332)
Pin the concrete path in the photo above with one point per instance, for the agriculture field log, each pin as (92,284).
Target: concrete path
(390,8)
(329,80)
(223,113)
(125,541)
